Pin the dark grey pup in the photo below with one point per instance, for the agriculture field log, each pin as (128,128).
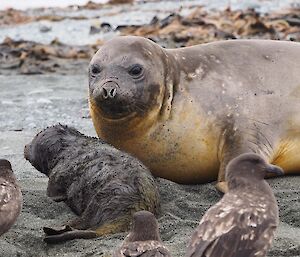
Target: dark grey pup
(243,222)
(10,197)
(143,239)
(101,184)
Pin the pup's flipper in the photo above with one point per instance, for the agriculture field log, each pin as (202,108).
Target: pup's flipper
(56,231)
(70,235)
(56,236)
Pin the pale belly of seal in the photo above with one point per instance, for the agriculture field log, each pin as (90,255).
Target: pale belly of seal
(183,149)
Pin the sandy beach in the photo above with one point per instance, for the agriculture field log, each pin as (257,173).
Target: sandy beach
(51,99)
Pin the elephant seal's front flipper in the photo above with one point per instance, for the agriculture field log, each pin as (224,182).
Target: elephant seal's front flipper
(242,136)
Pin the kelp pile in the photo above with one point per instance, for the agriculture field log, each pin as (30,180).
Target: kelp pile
(200,26)
(33,58)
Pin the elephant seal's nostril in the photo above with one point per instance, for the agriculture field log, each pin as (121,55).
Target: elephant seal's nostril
(113,92)
(109,90)
(104,93)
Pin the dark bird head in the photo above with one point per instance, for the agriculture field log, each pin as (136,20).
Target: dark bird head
(46,146)
(144,227)
(5,169)
(249,167)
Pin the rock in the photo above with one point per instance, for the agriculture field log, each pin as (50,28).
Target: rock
(45,28)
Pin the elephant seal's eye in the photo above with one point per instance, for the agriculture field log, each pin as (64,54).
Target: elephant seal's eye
(136,70)
(95,70)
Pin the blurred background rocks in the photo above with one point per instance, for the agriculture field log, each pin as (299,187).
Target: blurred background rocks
(63,39)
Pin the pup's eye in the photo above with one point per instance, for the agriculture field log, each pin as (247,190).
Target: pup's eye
(95,70)
(257,161)
(136,70)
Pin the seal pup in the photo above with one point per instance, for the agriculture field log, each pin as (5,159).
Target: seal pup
(10,197)
(243,222)
(185,113)
(143,239)
(100,184)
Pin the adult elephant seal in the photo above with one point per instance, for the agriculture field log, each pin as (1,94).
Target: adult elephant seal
(187,112)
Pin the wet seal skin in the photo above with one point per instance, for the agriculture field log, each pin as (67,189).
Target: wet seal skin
(101,184)
(143,239)
(11,199)
(243,222)
(185,113)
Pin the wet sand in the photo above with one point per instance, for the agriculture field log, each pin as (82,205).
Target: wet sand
(30,103)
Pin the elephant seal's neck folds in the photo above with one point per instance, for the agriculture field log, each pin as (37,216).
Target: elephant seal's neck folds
(142,91)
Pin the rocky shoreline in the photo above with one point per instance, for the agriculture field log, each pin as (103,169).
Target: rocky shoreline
(173,30)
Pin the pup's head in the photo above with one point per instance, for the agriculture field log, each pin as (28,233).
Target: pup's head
(44,149)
